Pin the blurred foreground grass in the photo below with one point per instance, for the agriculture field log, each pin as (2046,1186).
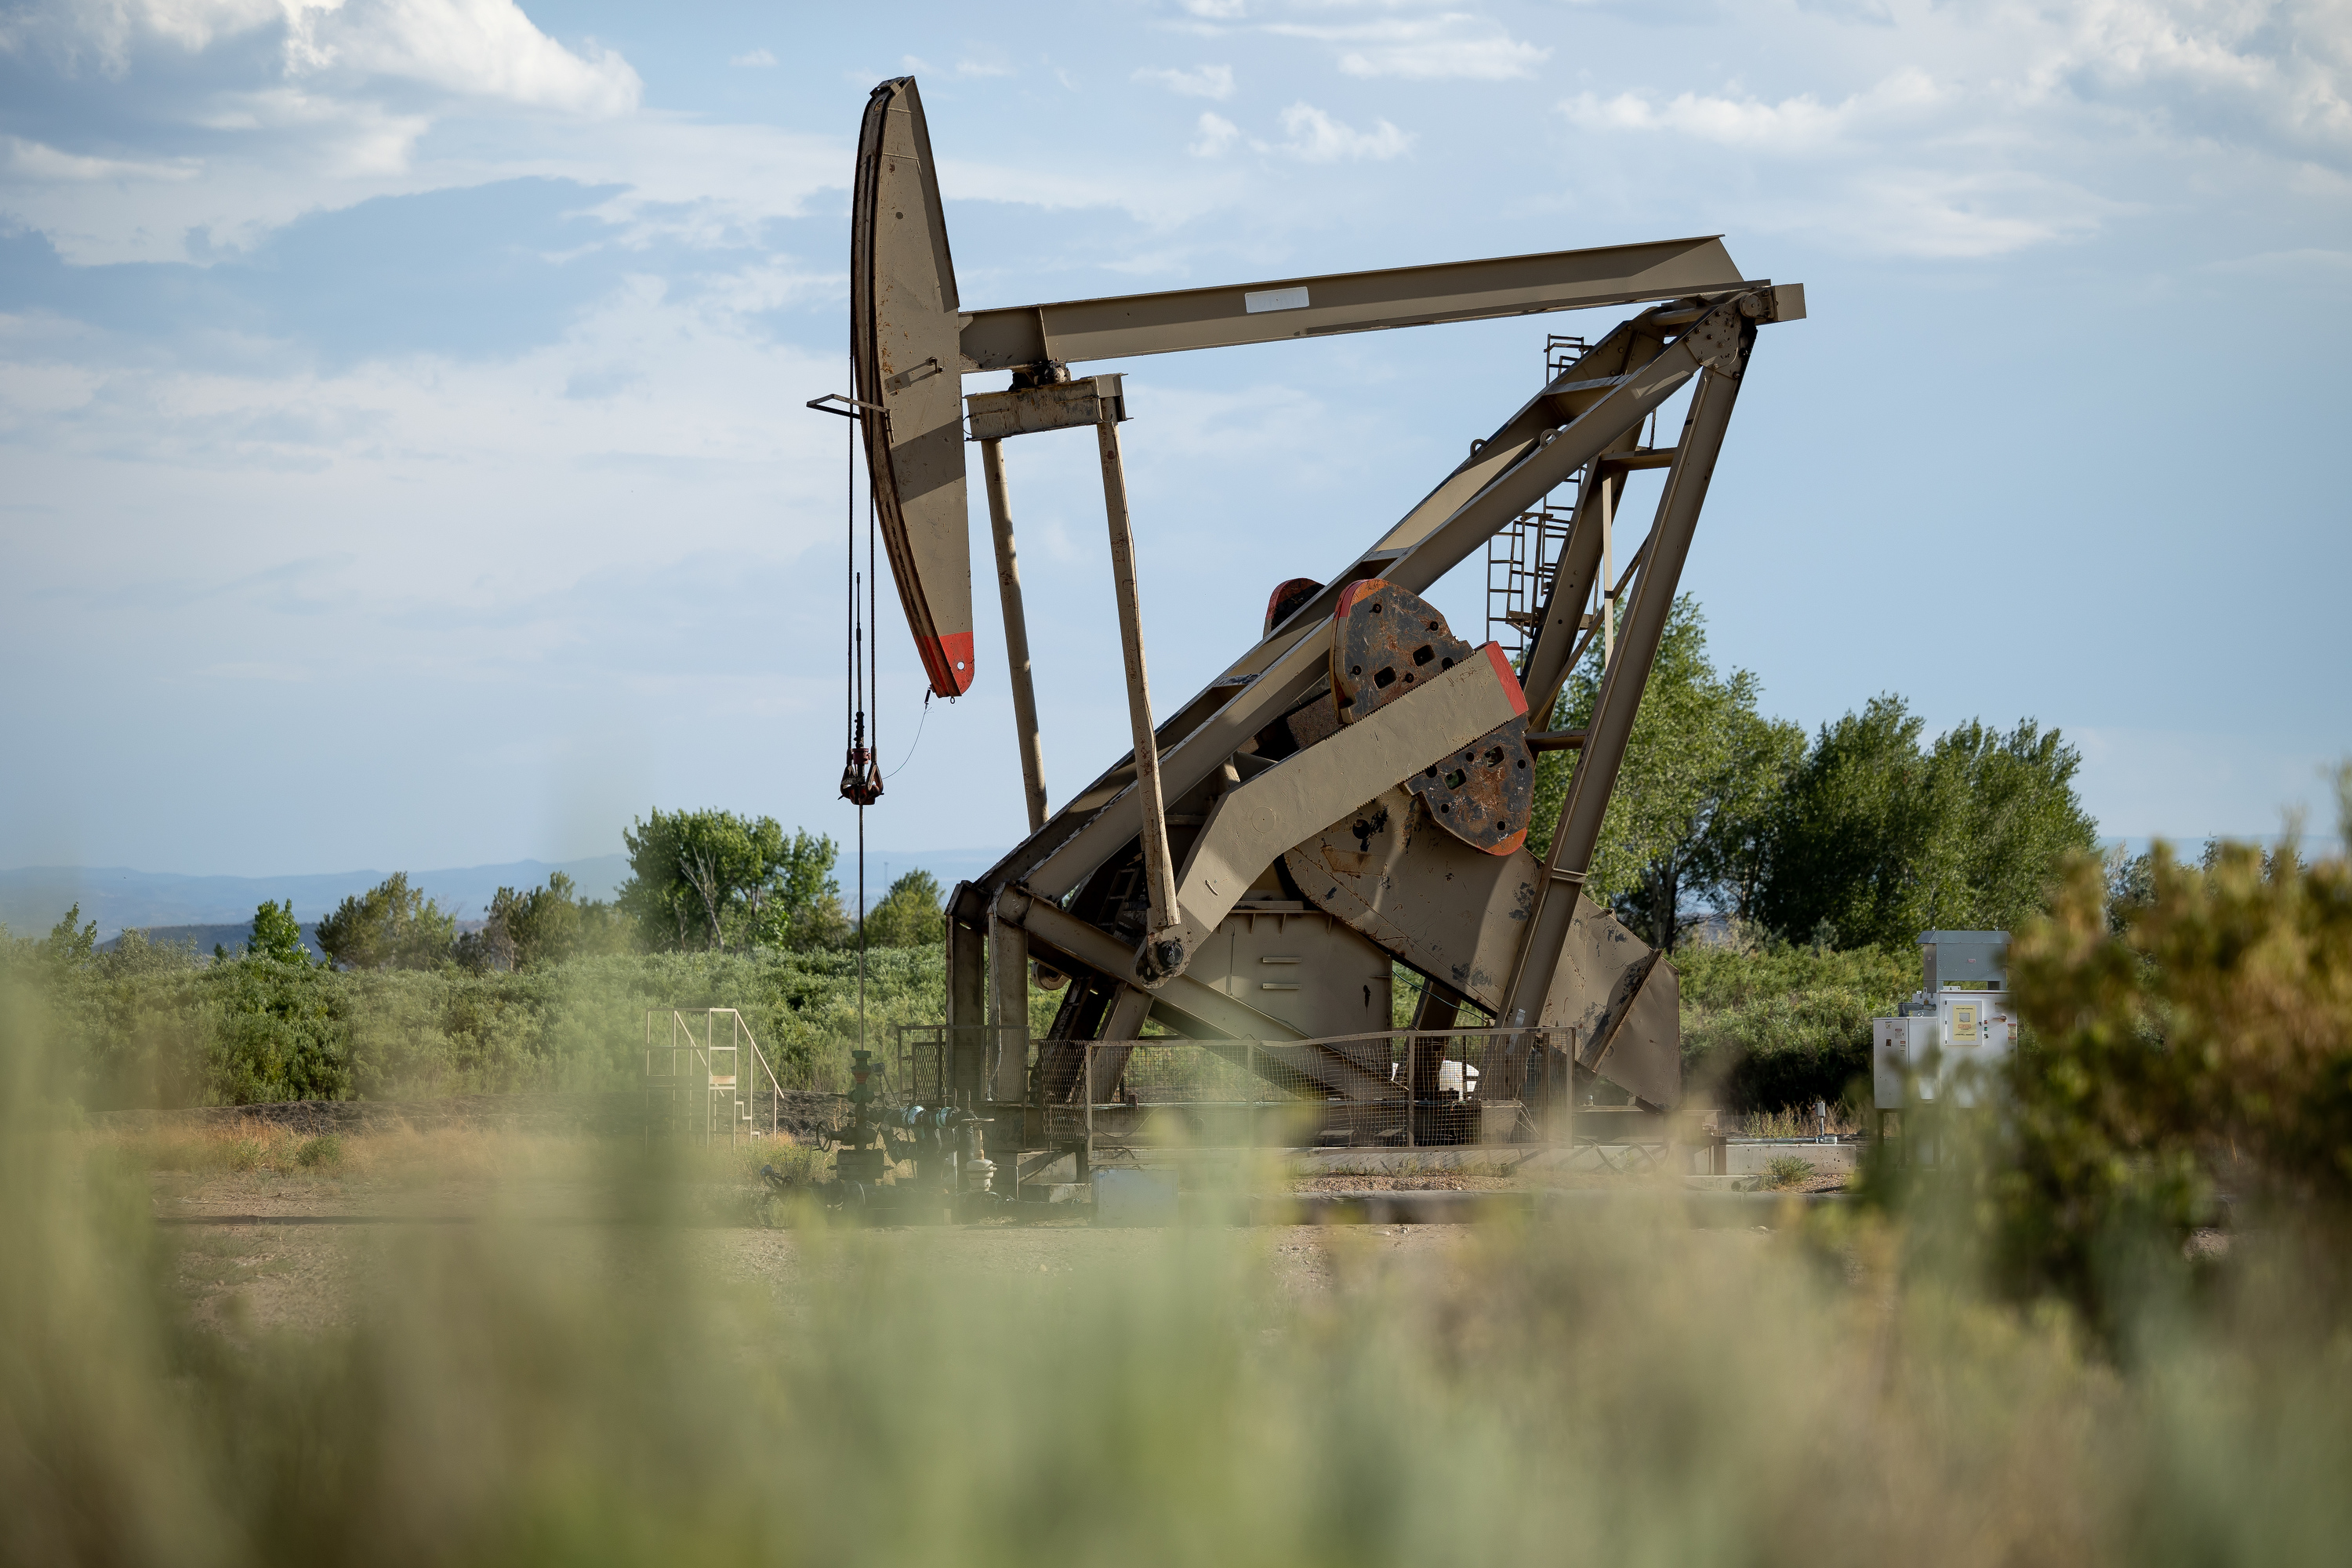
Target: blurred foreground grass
(2027,1352)
(653,1393)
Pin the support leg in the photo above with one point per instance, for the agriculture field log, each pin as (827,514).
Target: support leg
(1016,635)
(967,1005)
(1561,889)
(1008,966)
(1159,867)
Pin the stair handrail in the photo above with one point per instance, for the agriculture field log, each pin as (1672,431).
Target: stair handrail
(776,1089)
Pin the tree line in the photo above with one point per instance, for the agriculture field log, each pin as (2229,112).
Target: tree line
(1863,836)
(705,880)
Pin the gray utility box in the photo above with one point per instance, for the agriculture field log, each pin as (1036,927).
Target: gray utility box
(1964,960)
(1954,1031)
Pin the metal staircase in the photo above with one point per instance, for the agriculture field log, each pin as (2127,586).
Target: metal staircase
(1523,556)
(701,1085)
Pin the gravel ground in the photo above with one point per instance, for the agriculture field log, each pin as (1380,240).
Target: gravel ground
(262,1277)
(801,1114)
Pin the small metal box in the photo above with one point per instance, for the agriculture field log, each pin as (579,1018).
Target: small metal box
(1965,960)
(1898,1047)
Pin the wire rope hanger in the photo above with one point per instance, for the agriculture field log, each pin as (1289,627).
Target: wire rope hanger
(861,774)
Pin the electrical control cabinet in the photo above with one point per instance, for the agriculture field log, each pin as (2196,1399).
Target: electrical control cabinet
(1952,1038)
(1898,1048)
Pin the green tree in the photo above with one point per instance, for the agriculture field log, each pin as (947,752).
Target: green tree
(133,954)
(1876,838)
(68,943)
(278,935)
(544,926)
(909,915)
(391,926)
(1701,772)
(275,1030)
(2017,821)
(707,879)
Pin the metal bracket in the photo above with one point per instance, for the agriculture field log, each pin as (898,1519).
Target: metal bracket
(851,408)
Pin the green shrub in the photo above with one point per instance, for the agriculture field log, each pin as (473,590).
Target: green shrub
(164,1031)
(1782,1025)
(317,1153)
(2191,1041)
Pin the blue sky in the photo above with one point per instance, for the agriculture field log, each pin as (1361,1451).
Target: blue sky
(403,458)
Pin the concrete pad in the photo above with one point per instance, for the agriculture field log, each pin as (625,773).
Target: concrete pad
(1744,1157)
(1702,1210)
(1484,1160)
(1470,1160)
(1134,1197)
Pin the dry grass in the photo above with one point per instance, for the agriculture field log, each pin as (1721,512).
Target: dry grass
(514,1393)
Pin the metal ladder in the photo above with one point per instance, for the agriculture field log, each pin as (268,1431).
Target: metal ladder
(706,1078)
(1523,556)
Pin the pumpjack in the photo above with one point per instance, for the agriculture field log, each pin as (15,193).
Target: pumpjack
(1352,793)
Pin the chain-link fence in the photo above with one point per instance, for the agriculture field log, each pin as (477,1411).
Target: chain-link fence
(928,1055)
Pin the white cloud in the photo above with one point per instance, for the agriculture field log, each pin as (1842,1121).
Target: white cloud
(330,116)
(478,47)
(697,389)
(1451,45)
(756,57)
(37,161)
(1798,124)
(1968,162)
(2267,77)
(981,69)
(482,48)
(105,34)
(1935,213)
(1216,10)
(1317,138)
(1217,133)
(1208,81)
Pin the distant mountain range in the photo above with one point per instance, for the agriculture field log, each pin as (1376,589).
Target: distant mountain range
(204,938)
(32,897)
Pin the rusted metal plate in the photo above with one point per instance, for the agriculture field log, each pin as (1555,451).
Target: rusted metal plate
(1484,792)
(1285,598)
(903,341)
(1387,642)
